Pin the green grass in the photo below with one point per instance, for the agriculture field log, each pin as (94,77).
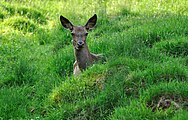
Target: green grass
(145,48)
(174,47)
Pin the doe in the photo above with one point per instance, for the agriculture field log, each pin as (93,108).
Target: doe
(79,34)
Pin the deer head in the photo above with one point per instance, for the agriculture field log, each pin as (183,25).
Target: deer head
(79,33)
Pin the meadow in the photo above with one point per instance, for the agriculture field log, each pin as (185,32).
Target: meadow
(144,75)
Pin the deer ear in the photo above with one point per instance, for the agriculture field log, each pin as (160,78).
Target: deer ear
(91,22)
(66,23)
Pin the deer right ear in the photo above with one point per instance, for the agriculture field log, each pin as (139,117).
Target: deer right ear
(66,23)
(91,22)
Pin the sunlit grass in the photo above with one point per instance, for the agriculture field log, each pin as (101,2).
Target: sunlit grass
(144,44)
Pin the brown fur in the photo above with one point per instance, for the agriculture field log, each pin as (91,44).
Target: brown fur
(81,51)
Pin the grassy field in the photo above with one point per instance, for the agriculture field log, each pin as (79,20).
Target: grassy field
(145,75)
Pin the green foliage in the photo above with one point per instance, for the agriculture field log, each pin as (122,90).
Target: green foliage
(2,13)
(21,23)
(181,115)
(63,62)
(174,47)
(14,97)
(138,109)
(31,13)
(18,72)
(173,88)
(156,73)
(133,111)
(27,12)
(143,43)
(162,28)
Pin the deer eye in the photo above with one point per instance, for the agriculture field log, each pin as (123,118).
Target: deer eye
(86,34)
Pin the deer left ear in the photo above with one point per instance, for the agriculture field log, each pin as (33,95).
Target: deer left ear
(66,23)
(91,22)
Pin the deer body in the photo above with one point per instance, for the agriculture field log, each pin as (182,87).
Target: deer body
(83,59)
(81,51)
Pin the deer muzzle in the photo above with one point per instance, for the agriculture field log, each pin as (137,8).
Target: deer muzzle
(80,43)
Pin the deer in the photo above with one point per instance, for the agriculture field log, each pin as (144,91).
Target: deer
(83,57)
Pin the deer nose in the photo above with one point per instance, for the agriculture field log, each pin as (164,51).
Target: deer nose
(80,43)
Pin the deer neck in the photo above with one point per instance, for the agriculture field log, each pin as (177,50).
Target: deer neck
(83,57)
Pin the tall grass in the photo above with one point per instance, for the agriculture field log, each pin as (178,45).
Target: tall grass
(144,44)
